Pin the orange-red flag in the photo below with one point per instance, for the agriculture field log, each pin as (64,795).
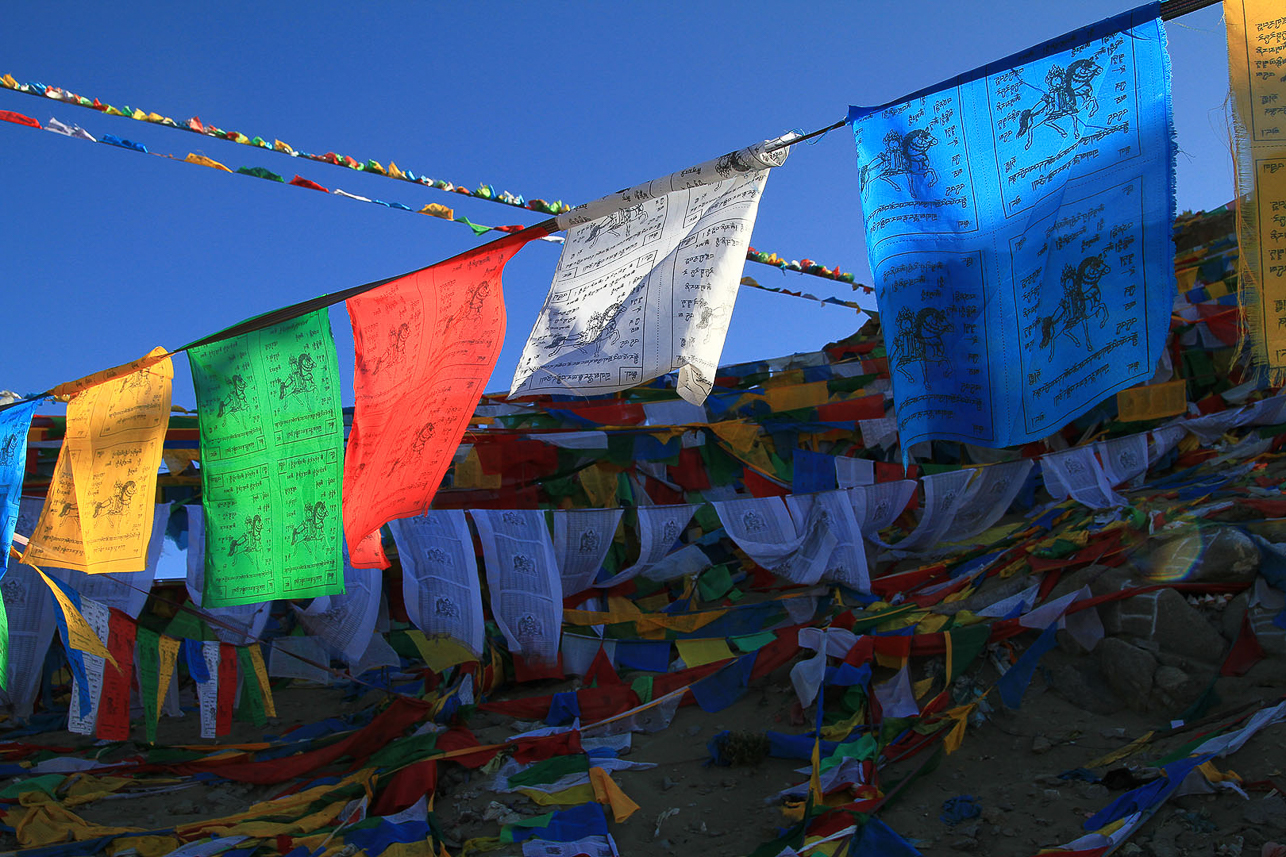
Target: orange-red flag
(425,347)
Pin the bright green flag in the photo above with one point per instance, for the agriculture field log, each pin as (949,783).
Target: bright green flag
(272,438)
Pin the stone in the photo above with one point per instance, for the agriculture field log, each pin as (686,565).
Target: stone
(1128,670)
(1169,679)
(1041,744)
(1182,629)
(1206,555)
(1268,812)
(1083,684)
(965,844)
(1230,620)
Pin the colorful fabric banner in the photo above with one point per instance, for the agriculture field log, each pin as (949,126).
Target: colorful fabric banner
(425,347)
(440,584)
(1256,61)
(272,439)
(98,515)
(647,281)
(30,613)
(1018,220)
(15,423)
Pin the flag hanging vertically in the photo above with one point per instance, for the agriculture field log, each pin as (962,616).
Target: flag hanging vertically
(272,436)
(1018,221)
(425,346)
(98,514)
(1257,68)
(647,281)
(15,423)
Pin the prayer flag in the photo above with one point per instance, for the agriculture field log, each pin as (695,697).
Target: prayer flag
(425,346)
(271,442)
(440,584)
(1256,60)
(15,423)
(1018,219)
(1153,401)
(98,515)
(647,281)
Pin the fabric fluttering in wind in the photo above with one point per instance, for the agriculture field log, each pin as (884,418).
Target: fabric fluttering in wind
(440,584)
(1018,220)
(647,281)
(425,347)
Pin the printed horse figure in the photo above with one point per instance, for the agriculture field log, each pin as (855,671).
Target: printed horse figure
(1066,94)
(919,340)
(1082,298)
(118,501)
(300,379)
(600,329)
(905,155)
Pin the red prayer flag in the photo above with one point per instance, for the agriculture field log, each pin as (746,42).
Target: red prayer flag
(113,706)
(227,689)
(300,181)
(18,119)
(425,344)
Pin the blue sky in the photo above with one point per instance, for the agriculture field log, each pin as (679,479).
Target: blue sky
(107,253)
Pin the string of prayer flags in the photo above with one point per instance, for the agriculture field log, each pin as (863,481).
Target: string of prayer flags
(272,438)
(15,424)
(647,281)
(30,617)
(1256,56)
(1018,219)
(98,514)
(79,639)
(440,584)
(425,344)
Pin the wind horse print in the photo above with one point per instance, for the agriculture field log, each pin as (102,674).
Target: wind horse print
(1018,223)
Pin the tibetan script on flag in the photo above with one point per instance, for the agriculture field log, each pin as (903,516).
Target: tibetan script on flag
(1018,224)
(425,347)
(272,438)
(1257,67)
(15,424)
(647,281)
(98,515)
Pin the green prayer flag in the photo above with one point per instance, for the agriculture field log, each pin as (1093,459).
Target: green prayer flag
(550,770)
(753,642)
(148,659)
(714,582)
(251,693)
(966,644)
(272,437)
(642,687)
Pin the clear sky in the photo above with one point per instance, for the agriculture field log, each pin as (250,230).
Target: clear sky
(105,253)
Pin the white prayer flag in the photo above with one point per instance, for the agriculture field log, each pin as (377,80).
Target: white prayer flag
(440,583)
(647,281)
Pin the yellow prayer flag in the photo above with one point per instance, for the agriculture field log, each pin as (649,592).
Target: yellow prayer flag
(8,82)
(80,636)
(1256,51)
(469,473)
(169,649)
(279,146)
(99,511)
(394,172)
(738,434)
(71,388)
(696,653)
(609,793)
(440,653)
(795,396)
(261,676)
(1153,401)
(194,158)
(434,209)
(600,486)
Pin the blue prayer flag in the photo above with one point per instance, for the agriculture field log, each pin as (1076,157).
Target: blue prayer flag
(1018,220)
(15,423)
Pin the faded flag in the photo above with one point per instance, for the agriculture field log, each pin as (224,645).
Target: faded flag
(15,423)
(272,436)
(425,346)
